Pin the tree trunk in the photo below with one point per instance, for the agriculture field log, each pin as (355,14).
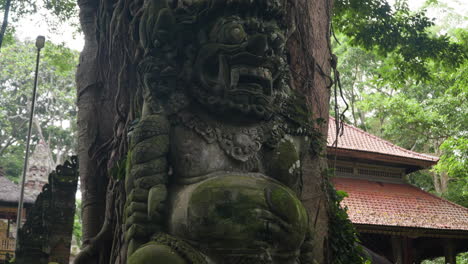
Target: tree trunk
(310,57)
(437,182)
(5,22)
(444,179)
(95,117)
(106,80)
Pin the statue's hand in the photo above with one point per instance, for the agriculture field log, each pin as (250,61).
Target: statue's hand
(145,181)
(136,214)
(287,218)
(145,203)
(274,227)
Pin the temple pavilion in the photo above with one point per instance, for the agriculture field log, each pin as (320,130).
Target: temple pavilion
(9,198)
(39,166)
(393,218)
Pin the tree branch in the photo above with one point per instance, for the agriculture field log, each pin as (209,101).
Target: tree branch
(10,141)
(5,21)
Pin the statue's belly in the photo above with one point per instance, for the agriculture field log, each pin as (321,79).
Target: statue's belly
(239,212)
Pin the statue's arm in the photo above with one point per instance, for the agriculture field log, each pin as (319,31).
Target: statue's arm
(146,180)
(307,248)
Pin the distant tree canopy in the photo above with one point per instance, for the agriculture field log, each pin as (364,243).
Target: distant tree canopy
(407,82)
(53,13)
(399,34)
(55,114)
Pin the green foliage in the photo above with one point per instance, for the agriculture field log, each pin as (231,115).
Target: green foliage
(454,162)
(422,179)
(344,245)
(55,106)
(118,171)
(78,224)
(12,162)
(454,159)
(405,85)
(457,191)
(461,259)
(397,33)
(63,10)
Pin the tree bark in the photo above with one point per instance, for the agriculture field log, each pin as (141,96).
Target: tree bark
(106,70)
(437,182)
(310,58)
(444,179)
(95,116)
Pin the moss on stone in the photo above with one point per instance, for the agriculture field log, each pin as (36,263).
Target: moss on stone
(233,211)
(282,161)
(150,149)
(156,198)
(149,168)
(155,253)
(128,167)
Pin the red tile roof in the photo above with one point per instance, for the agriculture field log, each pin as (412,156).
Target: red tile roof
(402,205)
(358,140)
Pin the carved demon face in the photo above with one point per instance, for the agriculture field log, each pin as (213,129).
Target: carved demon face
(239,65)
(227,54)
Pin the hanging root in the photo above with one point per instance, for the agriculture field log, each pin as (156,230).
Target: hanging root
(94,247)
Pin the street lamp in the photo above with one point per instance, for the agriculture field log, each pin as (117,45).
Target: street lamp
(40,41)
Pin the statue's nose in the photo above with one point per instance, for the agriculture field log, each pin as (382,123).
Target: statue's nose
(257,44)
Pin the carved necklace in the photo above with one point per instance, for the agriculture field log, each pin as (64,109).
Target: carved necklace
(241,144)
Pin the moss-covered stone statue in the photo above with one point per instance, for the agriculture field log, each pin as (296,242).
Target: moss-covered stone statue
(214,169)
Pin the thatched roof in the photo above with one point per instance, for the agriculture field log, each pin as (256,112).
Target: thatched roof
(10,192)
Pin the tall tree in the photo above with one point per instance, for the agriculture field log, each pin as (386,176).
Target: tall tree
(419,106)
(107,95)
(6,13)
(62,10)
(54,121)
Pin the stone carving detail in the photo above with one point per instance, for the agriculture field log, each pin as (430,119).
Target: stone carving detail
(40,164)
(46,235)
(214,165)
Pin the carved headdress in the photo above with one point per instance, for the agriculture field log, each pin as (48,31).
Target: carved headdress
(226,54)
(197,11)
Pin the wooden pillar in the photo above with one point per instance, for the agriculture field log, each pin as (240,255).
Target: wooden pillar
(417,255)
(408,250)
(8,228)
(450,252)
(397,248)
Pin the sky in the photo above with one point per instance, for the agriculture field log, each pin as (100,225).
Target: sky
(30,27)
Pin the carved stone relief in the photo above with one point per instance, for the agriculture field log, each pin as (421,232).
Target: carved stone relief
(214,165)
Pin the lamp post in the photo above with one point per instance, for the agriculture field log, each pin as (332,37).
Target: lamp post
(40,41)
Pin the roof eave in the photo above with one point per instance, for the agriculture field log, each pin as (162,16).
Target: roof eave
(412,231)
(410,163)
(11,203)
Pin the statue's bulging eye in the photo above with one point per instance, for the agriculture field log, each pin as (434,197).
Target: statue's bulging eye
(234,34)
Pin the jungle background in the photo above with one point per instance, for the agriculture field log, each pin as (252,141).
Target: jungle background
(400,76)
